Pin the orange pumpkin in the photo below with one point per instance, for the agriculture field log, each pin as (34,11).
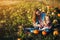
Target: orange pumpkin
(44,33)
(55,33)
(58,15)
(19,39)
(36,31)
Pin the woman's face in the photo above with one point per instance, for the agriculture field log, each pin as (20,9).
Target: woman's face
(37,12)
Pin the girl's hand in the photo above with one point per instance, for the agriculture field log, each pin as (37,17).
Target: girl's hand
(40,26)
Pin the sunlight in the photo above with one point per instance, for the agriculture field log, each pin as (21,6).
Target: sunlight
(8,2)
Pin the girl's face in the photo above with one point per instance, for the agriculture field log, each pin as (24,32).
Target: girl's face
(47,18)
(37,12)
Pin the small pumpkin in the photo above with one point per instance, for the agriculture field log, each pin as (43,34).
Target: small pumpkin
(19,39)
(52,14)
(36,31)
(55,21)
(58,15)
(55,33)
(44,33)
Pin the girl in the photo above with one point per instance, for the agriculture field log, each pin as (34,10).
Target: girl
(46,22)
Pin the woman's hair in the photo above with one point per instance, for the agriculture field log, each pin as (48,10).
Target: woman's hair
(34,15)
(36,9)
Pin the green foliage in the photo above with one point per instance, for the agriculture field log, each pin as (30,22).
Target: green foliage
(19,14)
(11,17)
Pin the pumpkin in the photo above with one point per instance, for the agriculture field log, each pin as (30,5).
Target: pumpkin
(55,21)
(36,31)
(19,39)
(55,33)
(53,13)
(58,15)
(44,33)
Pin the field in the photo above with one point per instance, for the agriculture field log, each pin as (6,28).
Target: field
(13,17)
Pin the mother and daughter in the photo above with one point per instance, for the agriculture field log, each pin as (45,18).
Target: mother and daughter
(41,20)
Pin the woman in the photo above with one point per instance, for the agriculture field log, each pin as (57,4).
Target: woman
(36,18)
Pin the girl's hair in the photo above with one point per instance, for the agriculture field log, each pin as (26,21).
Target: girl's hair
(34,15)
(48,20)
(47,16)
